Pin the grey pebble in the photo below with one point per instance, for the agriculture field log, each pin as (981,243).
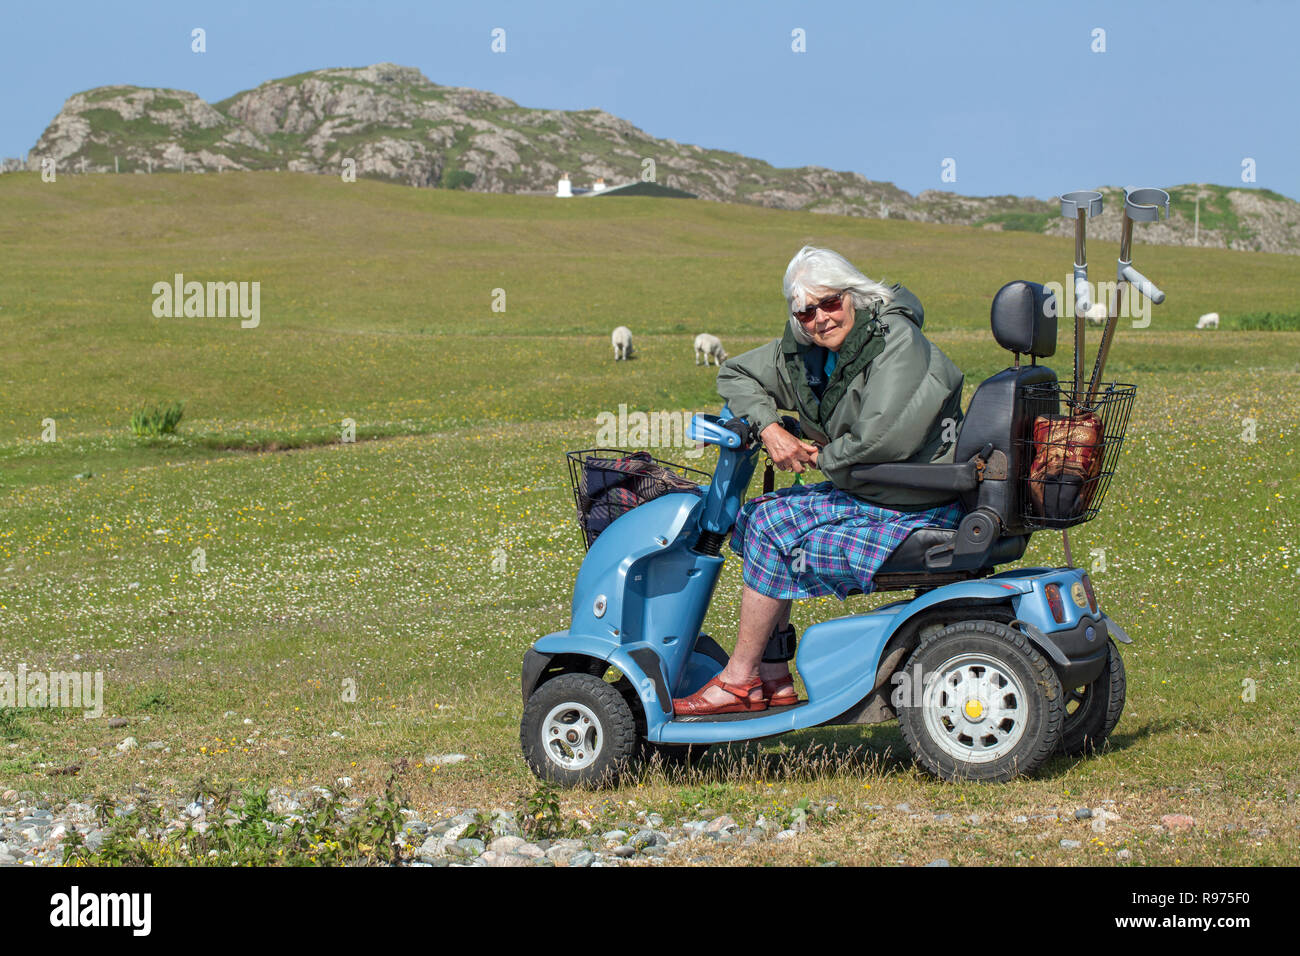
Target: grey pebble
(643,839)
(466,847)
(506,844)
(938,863)
(563,854)
(1070,844)
(1083,813)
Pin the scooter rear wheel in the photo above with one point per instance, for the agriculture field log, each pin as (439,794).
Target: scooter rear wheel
(578,731)
(1092,711)
(989,706)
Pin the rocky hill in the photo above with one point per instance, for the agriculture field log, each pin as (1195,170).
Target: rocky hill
(394,124)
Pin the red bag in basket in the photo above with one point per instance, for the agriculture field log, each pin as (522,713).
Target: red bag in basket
(1067,461)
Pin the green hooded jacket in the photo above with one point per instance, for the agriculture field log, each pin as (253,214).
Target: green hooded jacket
(886,400)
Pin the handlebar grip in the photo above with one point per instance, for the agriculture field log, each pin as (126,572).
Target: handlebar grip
(1142,284)
(743,430)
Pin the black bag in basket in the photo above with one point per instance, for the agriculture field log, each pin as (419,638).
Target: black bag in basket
(612,487)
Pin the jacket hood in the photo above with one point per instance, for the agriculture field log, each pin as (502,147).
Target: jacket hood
(907,304)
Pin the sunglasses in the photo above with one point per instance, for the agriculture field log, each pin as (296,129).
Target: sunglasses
(828,304)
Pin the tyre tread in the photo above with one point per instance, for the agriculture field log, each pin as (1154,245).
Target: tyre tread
(1078,742)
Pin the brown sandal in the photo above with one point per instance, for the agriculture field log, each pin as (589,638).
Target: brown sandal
(780,692)
(697,706)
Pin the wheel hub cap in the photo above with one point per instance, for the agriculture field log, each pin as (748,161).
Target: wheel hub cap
(572,736)
(975,708)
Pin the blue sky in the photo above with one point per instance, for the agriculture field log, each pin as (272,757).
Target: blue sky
(1013,92)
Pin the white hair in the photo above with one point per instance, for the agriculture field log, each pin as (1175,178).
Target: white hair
(820,269)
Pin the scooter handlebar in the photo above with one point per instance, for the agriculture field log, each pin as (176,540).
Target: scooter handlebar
(713,430)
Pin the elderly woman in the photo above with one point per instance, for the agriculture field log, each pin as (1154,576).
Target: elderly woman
(868,387)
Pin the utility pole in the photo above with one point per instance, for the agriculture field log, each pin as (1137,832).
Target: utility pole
(115,166)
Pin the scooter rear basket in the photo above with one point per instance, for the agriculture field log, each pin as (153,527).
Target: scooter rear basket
(608,482)
(1070,458)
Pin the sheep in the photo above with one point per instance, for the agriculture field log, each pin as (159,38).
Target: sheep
(1210,320)
(1096,314)
(622,343)
(707,346)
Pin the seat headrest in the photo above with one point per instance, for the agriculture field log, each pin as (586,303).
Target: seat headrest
(1024,318)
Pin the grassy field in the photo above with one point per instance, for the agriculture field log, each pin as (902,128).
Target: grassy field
(380,562)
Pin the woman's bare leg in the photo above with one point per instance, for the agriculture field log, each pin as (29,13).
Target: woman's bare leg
(759,616)
(775,671)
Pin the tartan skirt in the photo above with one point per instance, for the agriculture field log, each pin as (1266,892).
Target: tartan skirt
(815,540)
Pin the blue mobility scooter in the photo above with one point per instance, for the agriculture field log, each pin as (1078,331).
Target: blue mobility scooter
(989,672)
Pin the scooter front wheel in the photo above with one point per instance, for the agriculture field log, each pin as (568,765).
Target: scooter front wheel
(578,731)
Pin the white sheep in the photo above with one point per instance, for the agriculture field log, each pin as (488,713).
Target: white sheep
(1210,320)
(708,346)
(622,343)
(1096,314)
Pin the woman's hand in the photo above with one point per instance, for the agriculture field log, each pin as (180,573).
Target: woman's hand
(787,452)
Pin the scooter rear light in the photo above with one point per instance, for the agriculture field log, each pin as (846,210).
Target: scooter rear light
(1055,603)
(1087,589)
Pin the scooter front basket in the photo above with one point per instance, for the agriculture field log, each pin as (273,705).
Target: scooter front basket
(609,482)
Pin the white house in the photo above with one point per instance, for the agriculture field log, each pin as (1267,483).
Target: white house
(565,189)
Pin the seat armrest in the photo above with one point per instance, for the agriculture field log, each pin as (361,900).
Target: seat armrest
(928,477)
(956,477)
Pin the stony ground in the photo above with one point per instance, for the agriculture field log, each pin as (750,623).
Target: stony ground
(34,830)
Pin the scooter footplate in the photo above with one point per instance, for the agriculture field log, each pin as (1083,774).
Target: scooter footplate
(743,715)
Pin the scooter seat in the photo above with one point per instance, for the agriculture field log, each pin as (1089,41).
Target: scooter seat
(909,557)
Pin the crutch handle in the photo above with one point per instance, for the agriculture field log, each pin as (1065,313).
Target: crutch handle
(1140,282)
